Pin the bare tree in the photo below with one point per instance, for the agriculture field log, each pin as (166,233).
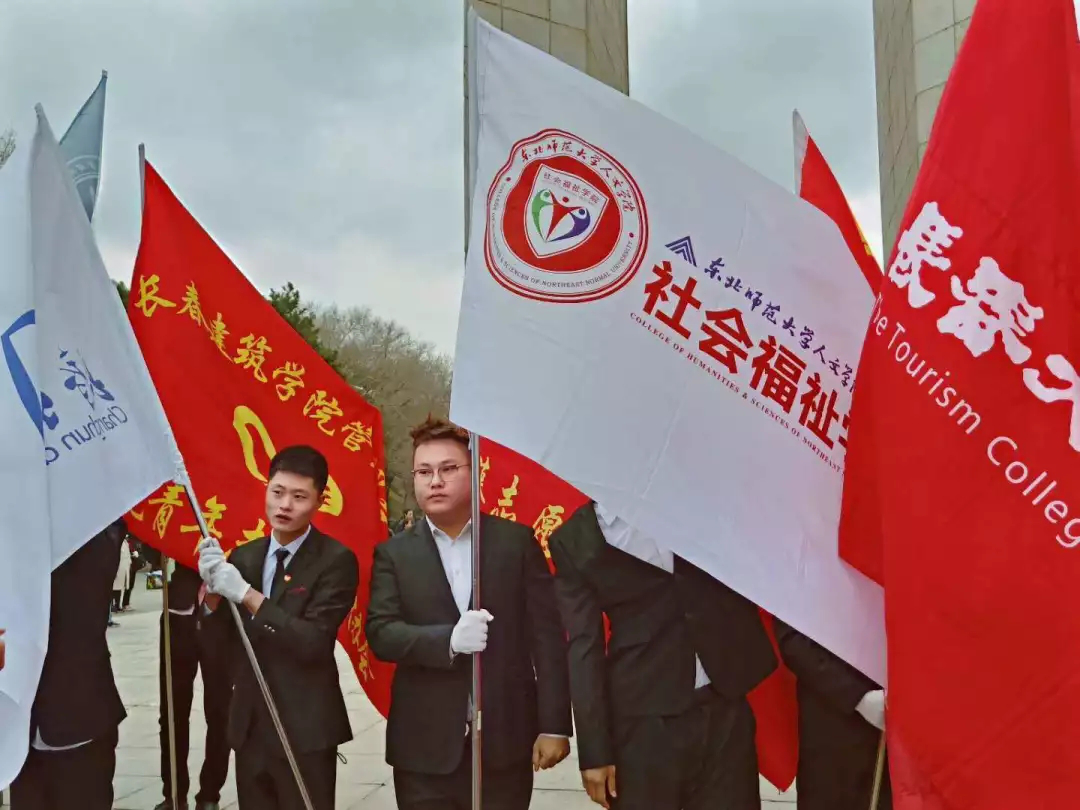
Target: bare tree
(7,145)
(405,378)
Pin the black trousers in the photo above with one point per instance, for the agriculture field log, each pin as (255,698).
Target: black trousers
(60,780)
(702,759)
(267,782)
(508,788)
(193,648)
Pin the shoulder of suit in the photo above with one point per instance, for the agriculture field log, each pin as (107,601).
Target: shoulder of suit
(330,545)
(506,528)
(572,525)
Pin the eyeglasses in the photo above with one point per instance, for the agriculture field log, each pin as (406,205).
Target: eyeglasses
(447,472)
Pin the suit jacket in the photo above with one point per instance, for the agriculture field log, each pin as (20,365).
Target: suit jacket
(77,699)
(837,747)
(293,635)
(658,621)
(409,621)
(184,585)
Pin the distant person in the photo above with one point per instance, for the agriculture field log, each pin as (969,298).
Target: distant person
(137,563)
(77,711)
(195,644)
(419,618)
(841,717)
(293,589)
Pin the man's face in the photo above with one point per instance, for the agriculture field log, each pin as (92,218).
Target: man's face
(291,501)
(442,479)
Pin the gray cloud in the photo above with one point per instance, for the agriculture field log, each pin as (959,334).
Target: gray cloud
(320,142)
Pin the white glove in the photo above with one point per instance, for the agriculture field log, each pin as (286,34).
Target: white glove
(211,557)
(872,708)
(470,633)
(227,581)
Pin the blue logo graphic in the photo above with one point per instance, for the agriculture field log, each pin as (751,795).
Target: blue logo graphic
(40,407)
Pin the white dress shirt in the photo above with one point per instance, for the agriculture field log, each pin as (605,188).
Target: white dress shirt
(270,563)
(621,535)
(456,556)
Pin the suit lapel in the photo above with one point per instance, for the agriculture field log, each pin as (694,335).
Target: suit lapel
(431,567)
(250,563)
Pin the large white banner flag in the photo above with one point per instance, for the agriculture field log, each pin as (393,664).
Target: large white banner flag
(668,331)
(84,435)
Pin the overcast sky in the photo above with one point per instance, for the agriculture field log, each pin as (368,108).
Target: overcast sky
(320,141)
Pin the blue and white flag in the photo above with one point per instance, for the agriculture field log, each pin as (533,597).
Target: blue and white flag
(83,432)
(81,146)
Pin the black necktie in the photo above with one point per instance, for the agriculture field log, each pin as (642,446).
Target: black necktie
(278,582)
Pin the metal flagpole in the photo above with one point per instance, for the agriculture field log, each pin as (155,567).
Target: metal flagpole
(169,681)
(166,629)
(474,446)
(274,716)
(879,773)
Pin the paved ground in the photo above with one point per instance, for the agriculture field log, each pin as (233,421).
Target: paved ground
(363,784)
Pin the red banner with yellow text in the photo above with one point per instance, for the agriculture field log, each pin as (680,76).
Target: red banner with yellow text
(519,489)
(238,384)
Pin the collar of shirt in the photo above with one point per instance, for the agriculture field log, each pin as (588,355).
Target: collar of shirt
(439,534)
(455,553)
(270,563)
(621,535)
(292,547)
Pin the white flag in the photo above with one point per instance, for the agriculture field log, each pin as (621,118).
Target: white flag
(668,331)
(87,434)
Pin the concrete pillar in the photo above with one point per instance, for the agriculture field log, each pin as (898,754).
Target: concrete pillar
(915,45)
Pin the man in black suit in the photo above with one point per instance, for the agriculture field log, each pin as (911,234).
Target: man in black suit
(77,710)
(419,618)
(662,717)
(841,717)
(194,644)
(294,589)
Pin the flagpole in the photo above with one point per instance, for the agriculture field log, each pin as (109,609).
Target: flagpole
(474,447)
(166,625)
(169,681)
(879,773)
(270,704)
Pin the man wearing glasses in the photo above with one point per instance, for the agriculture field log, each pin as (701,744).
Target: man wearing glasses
(419,618)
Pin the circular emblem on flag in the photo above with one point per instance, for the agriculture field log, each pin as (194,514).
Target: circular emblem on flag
(565,221)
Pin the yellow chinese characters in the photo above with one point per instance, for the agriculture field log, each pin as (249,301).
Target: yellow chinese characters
(355,627)
(322,409)
(218,332)
(356,436)
(165,504)
(212,513)
(254,534)
(149,300)
(291,374)
(252,354)
(506,502)
(192,308)
(545,525)
(485,465)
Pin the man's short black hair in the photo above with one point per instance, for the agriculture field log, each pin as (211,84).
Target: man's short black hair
(302,460)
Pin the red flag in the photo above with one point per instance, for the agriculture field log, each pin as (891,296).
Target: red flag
(519,489)
(816,183)
(963,454)
(239,383)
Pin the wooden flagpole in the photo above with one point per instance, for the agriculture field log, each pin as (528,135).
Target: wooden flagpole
(879,773)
